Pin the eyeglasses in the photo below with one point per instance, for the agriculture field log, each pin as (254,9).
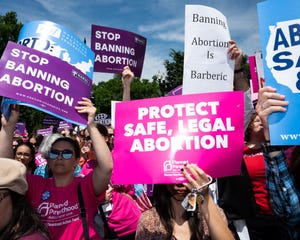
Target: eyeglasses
(66,154)
(3,195)
(20,154)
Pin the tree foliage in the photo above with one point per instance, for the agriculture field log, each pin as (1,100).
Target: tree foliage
(174,72)
(105,92)
(9,29)
(245,66)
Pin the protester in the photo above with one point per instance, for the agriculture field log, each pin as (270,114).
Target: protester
(43,168)
(88,150)
(141,197)
(120,212)
(282,176)
(36,140)
(85,146)
(25,152)
(56,199)
(168,219)
(261,222)
(110,130)
(120,208)
(18,219)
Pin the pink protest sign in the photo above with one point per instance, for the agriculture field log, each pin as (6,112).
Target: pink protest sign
(253,72)
(155,137)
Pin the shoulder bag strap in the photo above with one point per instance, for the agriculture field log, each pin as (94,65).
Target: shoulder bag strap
(83,213)
(110,232)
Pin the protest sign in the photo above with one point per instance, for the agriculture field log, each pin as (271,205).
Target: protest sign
(113,112)
(175,91)
(64,125)
(56,40)
(103,119)
(207,67)
(44,82)
(20,129)
(253,73)
(160,135)
(116,48)
(259,68)
(50,120)
(280,43)
(45,131)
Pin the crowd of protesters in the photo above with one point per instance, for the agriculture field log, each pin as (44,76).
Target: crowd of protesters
(63,181)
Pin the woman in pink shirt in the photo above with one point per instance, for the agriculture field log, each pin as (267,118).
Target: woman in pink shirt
(56,198)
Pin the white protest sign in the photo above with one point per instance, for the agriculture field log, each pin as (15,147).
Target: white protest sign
(207,67)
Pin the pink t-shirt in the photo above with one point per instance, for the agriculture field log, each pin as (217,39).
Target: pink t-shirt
(33,236)
(59,206)
(125,211)
(88,167)
(125,214)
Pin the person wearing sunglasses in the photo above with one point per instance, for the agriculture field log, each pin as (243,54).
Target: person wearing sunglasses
(56,198)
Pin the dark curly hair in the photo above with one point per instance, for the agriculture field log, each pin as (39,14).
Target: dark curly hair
(25,220)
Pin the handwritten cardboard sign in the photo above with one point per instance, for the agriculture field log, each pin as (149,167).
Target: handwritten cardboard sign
(207,67)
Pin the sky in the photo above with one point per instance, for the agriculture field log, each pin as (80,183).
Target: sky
(160,21)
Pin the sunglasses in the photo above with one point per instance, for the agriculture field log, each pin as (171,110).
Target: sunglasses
(66,154)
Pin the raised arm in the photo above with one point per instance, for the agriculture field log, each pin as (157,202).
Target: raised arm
(127,77)
(240,82)
(285,198)
(7,132)
(103,171)
(217,226)
(269,101)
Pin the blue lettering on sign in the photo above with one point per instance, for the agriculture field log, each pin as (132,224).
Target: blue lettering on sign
(281,40)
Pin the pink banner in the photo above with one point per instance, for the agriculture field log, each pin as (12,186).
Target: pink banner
(160,135)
